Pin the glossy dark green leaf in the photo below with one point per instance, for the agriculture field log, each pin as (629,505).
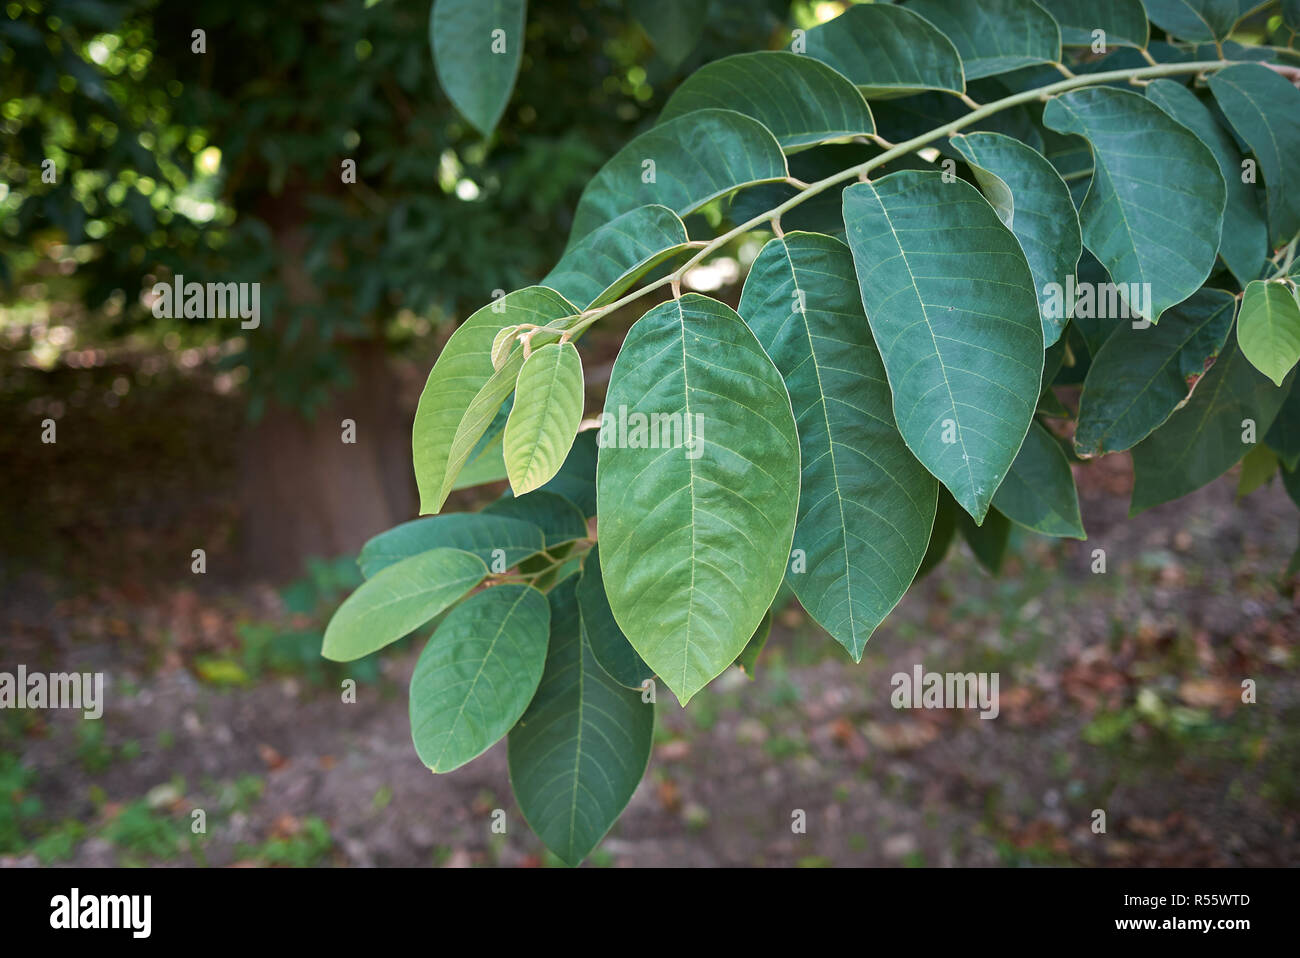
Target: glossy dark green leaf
(887,51)
(1268,330)
(865,504)
(1245,233)
(608,643)
(1154,211)
(1140,376)
(477,674)
(1039,490)
(695,534)
(1283,436)
(951,303)
(580,750)
(491,538)
(477,45)
(800,99)
(604,264)
(1257,469)
(464,393)
(994,36)
(549,396)
(681,164)
(398,600)
(1030,197)
(1123,21)
(558,518)
(1205,438)
(1264,109)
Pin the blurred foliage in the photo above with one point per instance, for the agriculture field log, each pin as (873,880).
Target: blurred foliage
(227,166)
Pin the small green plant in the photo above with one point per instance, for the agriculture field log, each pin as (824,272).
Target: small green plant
(951,232)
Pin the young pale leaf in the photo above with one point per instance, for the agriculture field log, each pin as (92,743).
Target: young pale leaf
(951,302)
(608,643)
(1268,330)
(398,600)
(464,392)
(558,518)
(1245,234)
(1231,408)
(747,660)
(502,343)
(477,45)
(1039,490)
(477,674)
(1199,20)
(1154,211)
(994,36)
(865,504)
(800,99)
(1038,209)
(887,51)
(1138,377)
(1264,109)
(681,164)
(545,417)
(695,527)
(579,752)
(604,263)
(1122,22)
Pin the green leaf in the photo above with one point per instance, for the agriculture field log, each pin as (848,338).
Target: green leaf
(1268,330)
(1204,439)
(747,660)
(477,674)
(887,51)
(477,45)
(1124,21)
(1030,197)
(672,25)
(1291,14)
(608,643)
(1257,468)
(865,504)
(800,99)
(945,527)
(576,480)
(1207,20)
(604,264)
(988,542)
(1039,490)
(1283,436)
(1245,234)
(486,462)
(1264,109)
(398,600)
(695,537)
(1140,376)
(951,303)
(544,421)
(580,750)
(1154,211)
(486,536)
(463,392)
(558,518)
(994,36)
(681,164)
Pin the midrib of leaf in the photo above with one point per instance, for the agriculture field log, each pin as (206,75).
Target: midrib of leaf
(690,469)
(577,756)
(925,314)
(477,675)
(830,442)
